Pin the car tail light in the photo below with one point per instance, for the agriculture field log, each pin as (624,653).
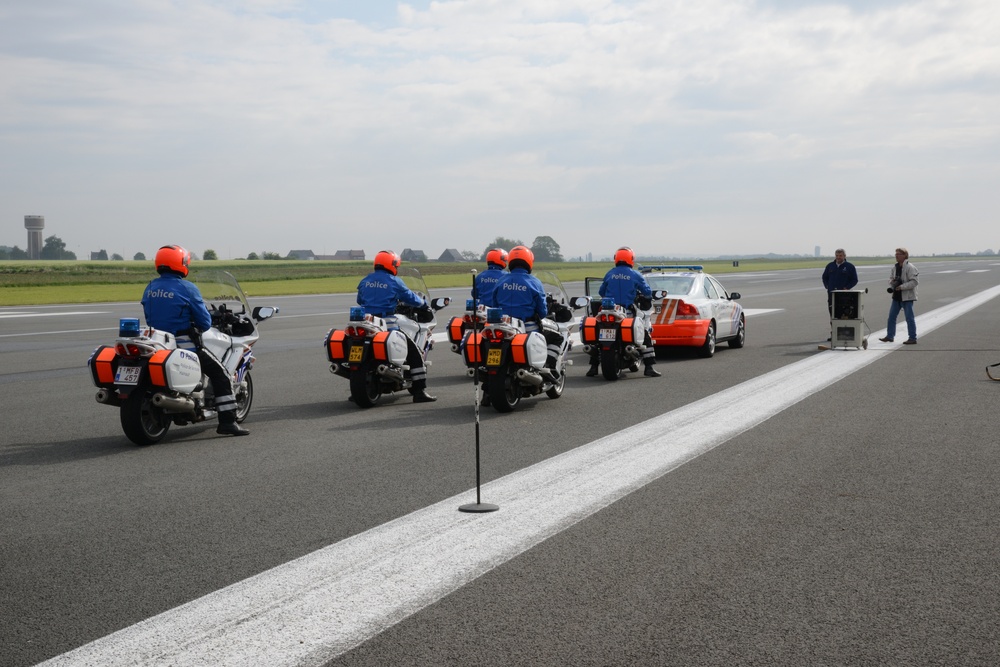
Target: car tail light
(687,311)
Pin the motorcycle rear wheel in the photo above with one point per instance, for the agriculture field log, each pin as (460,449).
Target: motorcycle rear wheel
(365,389)
(556,390)
(143,423)
(611,363)
(504,391)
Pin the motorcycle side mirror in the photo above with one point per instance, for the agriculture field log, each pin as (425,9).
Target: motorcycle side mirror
(440,302)
(580,301)
(261,313)
(659,294)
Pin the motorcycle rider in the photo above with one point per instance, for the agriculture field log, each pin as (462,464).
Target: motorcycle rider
(173,304)
(486,282)
(624,284)
(521,295)
(379,293)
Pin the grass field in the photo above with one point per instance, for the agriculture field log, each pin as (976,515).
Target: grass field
(38,283)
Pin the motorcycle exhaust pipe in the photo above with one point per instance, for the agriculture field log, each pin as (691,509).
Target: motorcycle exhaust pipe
(525,375)
(590,348)
(337,369)
(107,398)
(173,404)
(388,371)
(455,347)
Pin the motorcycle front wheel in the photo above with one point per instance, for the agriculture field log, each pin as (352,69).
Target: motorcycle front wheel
(611,363)
(143,423)
(244,398)
(365,388)
(504,391)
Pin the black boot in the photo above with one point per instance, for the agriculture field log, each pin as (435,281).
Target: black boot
(651,372)
(420,394)
(228,425)
(595,364)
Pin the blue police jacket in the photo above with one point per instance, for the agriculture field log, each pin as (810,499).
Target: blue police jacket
(842,276)
(172,304)
(380,291)
(487,281)
(519,294)
(622,283)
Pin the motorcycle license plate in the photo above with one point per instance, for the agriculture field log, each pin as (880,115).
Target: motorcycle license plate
(356,353)
(607,334)
(493,357)
(128,375)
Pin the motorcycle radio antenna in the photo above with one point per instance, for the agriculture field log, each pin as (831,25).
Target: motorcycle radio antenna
(477,506)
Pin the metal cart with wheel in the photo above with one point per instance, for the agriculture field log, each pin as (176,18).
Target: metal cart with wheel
(847,321)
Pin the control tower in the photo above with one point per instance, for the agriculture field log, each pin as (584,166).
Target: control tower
(34,224)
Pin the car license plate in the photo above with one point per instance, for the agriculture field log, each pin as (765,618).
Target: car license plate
(356,353)
(493,356)
(607,334)
(128,375)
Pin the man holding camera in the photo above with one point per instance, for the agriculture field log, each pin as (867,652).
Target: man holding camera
(903,288)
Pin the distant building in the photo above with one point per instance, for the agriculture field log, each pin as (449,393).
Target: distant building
(350,254)
(817,251)
(34,224)
(451,255)
(410,255)
(301,254)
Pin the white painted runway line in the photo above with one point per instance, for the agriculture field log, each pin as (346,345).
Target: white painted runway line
(319,606)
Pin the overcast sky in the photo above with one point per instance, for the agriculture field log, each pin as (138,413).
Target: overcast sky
(702,127)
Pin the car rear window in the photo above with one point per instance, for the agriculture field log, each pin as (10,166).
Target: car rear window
(675,285)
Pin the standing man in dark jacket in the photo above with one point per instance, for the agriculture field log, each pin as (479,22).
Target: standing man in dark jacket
(838,275)
(173,304)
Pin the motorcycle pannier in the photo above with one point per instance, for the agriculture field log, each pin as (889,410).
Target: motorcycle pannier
(178,370)
(588,332)
(632,330)
(456,330)
(529,348)
(335,350)
(473,350)
(103,364)
(390,346)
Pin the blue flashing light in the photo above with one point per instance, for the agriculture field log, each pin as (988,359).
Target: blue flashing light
(607,303)
(128,327)
(357,313)
(470,304)
(494,316)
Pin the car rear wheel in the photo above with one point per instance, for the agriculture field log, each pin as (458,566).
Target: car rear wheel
(741,335)
(707,350)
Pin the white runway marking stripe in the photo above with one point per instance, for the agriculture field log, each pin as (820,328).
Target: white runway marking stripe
(316,607)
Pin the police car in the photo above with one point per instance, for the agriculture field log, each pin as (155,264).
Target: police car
(697,311)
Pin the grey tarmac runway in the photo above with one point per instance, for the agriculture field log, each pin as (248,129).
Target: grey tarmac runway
(854,526)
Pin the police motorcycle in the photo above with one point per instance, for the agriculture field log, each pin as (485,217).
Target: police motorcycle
(460,326)
(615,334)
(370,351)
(156,383)
(510,359)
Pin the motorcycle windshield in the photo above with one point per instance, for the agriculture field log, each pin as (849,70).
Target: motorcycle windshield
(553,286)
(414,281)
(220,288)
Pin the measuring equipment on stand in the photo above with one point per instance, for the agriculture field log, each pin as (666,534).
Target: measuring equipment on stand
(847,321)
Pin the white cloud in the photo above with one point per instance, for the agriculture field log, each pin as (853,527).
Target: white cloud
(558,118)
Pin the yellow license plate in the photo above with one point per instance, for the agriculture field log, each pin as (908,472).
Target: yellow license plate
(493,357)
(356,353)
